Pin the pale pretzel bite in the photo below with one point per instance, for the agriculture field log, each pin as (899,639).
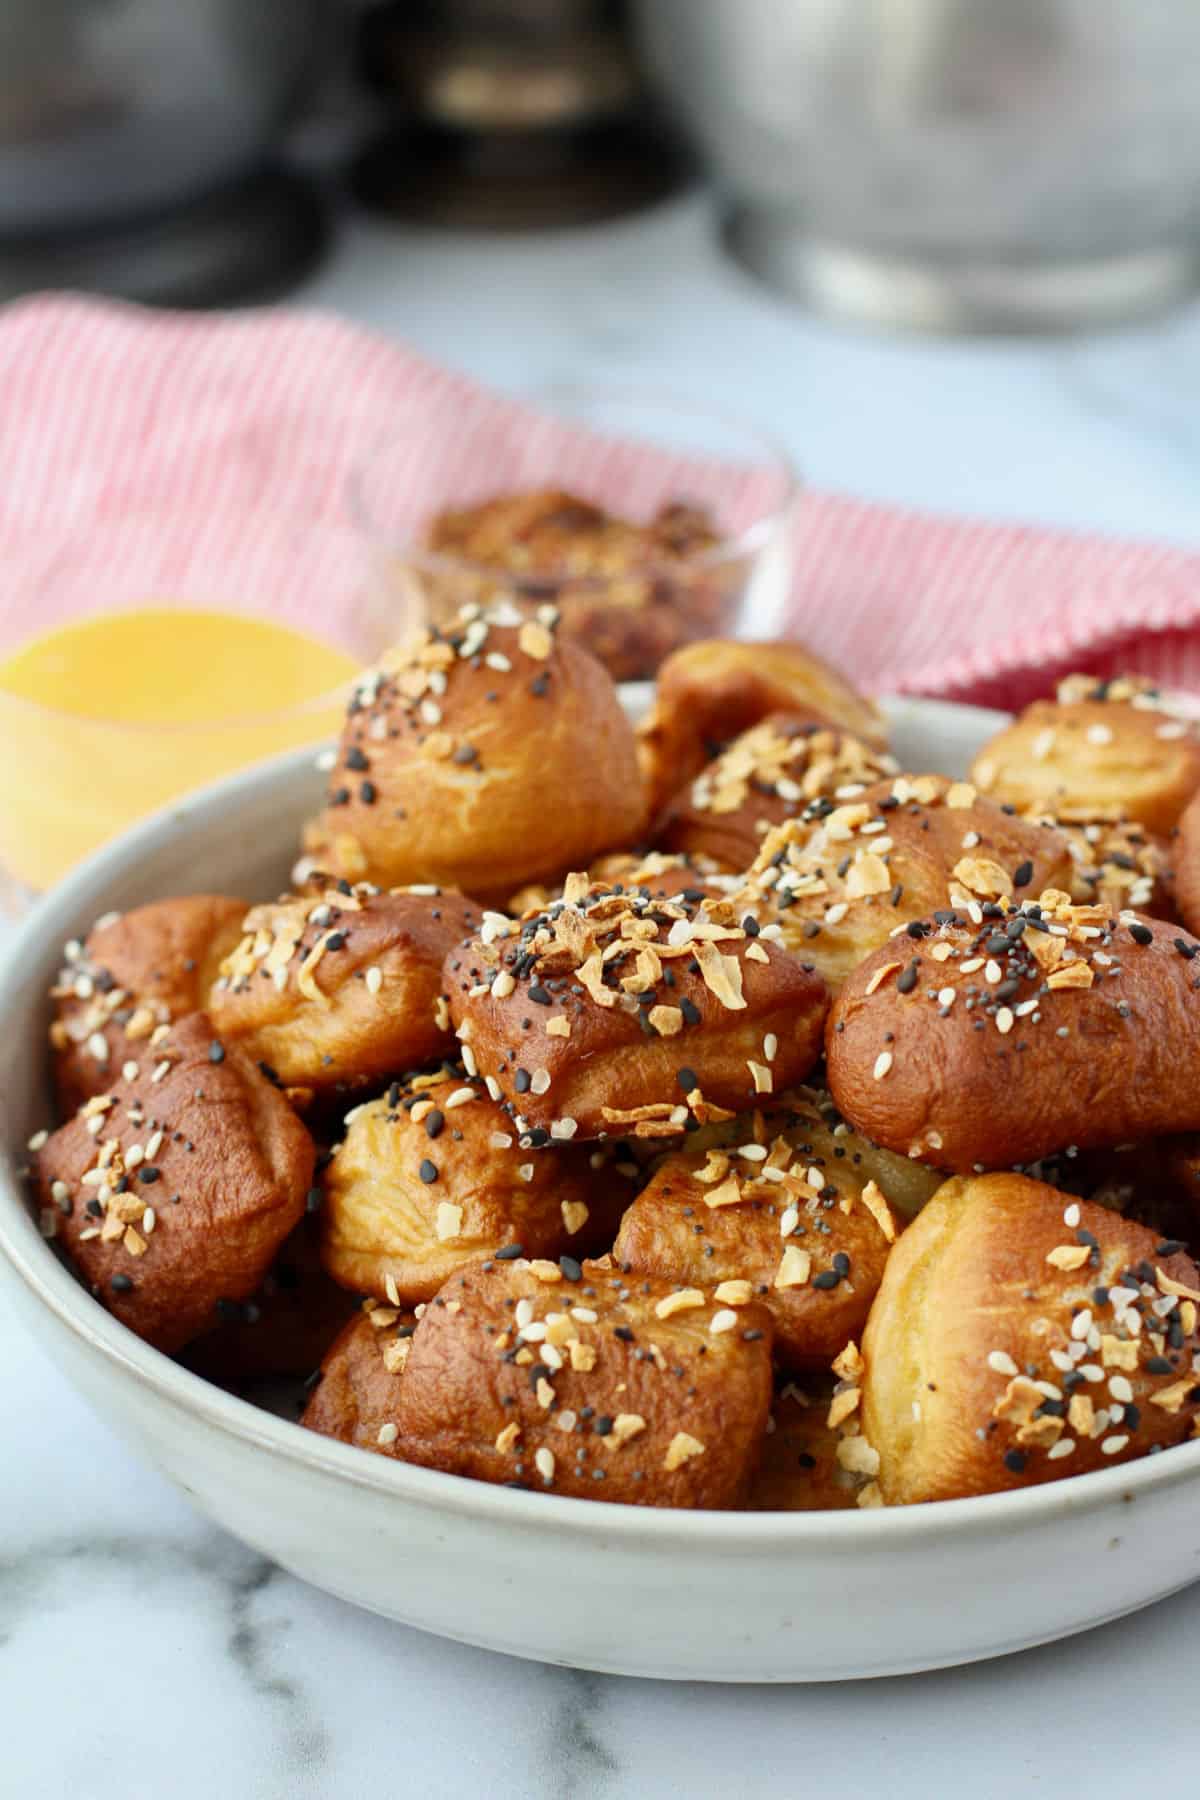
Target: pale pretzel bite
(768,775)
(353,1393)
(1020,1336)
(629,592)
(480,756)
(835,884)
(996,1036)
(1101,750)
(615,1013)
(432,1176)
(172,1193)
(709,692)
(133,972)
(785,1215)
(599,1387)
(339,986)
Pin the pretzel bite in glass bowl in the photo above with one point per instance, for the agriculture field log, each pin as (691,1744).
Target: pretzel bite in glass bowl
(1108,750)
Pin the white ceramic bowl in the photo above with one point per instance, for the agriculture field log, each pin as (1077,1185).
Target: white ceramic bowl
(709,1596)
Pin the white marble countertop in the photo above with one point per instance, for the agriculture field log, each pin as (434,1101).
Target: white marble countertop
(142,1652)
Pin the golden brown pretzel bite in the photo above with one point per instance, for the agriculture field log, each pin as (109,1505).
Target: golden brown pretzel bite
(710,692)
(432,1177)
(983,1045)
(339,986)
(836,887)
(172,1193)
(133,972)
(784,1214)
(614,1012)
(480,757)
(1120,864)
(769,774)
(1186,850)
(1099,750)
(601,1388)
(354,1395)
(1020,1336)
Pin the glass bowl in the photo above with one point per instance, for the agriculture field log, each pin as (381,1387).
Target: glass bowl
(94,740)
(647,520)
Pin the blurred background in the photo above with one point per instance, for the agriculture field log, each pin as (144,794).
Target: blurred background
(939,254)
(930,163)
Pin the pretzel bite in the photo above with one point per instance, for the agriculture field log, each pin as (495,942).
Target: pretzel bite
(431,1177)
(709,692)
(1017,1339)
(659,872)
(994,1039)
(1187,866)
(1099,750)
(629,592)
(340,986)
(614,1012)
(482,756)
(786,1214)
(835,886)
(172,1193)
(598,1388)
(769,774)
(353,1394)
(286,1325)
(801,1468)
(133,972)
(1120,865)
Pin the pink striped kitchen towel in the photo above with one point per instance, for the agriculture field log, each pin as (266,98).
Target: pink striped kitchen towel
(145,453)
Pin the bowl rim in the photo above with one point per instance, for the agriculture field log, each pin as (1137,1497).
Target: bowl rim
(32,1261)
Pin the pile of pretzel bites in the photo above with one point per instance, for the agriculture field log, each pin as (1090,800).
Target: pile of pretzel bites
(712,1114)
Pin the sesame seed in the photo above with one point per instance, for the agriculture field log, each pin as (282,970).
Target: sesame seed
(1001,1363)
(883,1063)
(388,1434)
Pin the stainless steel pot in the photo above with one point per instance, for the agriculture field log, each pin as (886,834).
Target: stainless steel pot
(111,109)
(948,162)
